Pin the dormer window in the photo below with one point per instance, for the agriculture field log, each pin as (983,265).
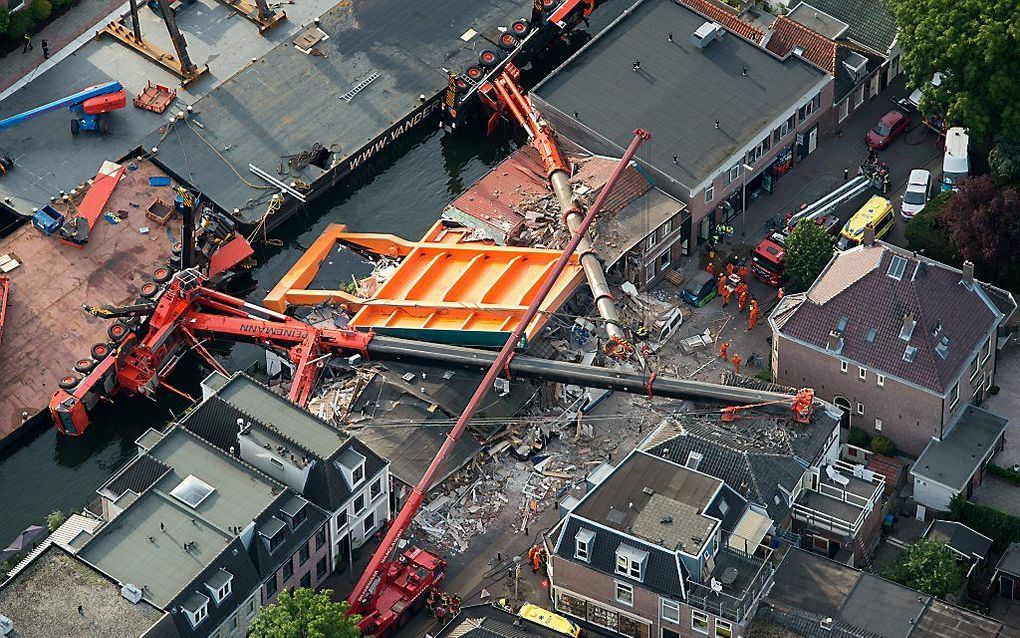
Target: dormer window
(220,585)
(272,531)
(352,465)
(631,562)
(196,607)
(582,544)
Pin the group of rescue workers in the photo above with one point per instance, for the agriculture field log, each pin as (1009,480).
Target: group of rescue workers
(744,302)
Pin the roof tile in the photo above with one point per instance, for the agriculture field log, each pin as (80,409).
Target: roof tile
(787,35)
(725,16)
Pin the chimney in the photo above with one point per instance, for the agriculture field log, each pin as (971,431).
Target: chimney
(835,341)
(968,272)
(869,235)
(907,329)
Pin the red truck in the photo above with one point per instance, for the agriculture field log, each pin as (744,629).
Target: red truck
(767,261)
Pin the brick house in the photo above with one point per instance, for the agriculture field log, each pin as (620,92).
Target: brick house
(854,69)
(640,232)
(899,342)
(712,97)
(651,551)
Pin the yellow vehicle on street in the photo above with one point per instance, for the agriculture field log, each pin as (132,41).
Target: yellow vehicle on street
(549,620)
(877,213)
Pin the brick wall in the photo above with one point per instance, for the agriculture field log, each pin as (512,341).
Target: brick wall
(910,416)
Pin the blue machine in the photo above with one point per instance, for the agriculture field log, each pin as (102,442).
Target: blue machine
(76,103)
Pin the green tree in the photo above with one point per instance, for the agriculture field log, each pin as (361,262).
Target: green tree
(41,9)
(975,44)
(928,566)
(808,250)
(55,519)
(305,614)
(19,23)
(5,17)
(882,445)
(1004,160)
(926,234)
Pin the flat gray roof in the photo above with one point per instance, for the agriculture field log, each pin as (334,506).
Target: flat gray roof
(288,419)
(43,601)
(133,548)
(679,92)
(954,459)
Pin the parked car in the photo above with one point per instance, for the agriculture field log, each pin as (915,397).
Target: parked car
(700,289)
(917,193)
(892,125)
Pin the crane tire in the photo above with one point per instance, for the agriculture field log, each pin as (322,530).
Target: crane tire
(100,351)
(103,121)
(489,58)
(75,127)
(161,275)
(548,5)
(149,289)
(507,41)
(461,85)
(177,249)
(117,332)
(474,72)
(84,366)
(520,28)
(69,382)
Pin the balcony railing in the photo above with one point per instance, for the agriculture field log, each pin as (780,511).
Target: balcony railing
(732,602)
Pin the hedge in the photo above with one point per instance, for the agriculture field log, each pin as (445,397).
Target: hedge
(997,525)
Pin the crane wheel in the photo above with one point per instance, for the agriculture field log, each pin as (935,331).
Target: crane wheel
(84,365)
(69,382)
(117,332)
(161,275)
(474,73)
(104,123)
(488,58)
(548,5)
(461,85)
(149,289)
(520,28)
(177,249)
(100,351)
(75,126)
(507,41)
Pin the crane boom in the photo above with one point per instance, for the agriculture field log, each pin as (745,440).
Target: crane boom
(505,93)
(361,595)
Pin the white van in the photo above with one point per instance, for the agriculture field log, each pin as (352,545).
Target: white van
(955,163)
(914,99)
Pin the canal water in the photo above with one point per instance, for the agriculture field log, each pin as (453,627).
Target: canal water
(403,193)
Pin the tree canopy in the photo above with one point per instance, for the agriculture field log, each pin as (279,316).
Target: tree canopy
(975,44)
(808,250)
(928,566)
(305,614)
(983,221)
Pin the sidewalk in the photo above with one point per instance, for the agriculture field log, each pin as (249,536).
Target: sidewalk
(822,171)
(59,34)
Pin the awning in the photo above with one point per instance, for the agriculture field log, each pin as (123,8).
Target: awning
(749,531)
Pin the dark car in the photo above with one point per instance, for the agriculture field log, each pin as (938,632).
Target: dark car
(700,289)
(892,125)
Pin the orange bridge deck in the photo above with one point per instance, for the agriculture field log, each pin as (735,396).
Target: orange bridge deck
(446,288)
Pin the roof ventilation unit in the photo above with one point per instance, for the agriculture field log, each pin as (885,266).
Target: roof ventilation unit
(856,64)
(705,34)
(131,593)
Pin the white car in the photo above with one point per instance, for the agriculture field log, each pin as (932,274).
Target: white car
(916,196)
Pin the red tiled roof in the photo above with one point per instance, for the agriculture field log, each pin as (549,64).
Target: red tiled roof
(501,197)
(787,34)
(725,16)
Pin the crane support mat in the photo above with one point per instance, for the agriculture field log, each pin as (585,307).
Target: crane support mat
(155,97)
(75,231)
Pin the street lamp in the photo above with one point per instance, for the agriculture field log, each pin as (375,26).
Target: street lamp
(743,197)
